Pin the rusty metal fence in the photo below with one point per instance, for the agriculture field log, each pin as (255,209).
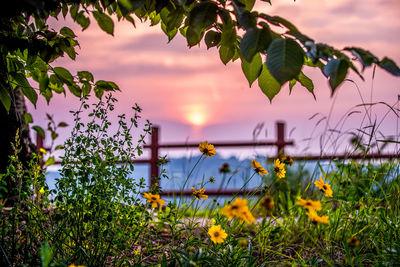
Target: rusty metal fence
(280,143)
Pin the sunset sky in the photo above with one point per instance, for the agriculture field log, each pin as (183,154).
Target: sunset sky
(192,96)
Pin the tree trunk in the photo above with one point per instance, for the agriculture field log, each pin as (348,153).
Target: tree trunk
(11,121)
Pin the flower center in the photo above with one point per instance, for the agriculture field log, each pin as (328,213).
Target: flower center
(308,203)
(216,234)
(276,169)
(324,187)
(205,151)
(153,198)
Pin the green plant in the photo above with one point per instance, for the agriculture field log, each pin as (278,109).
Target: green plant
(96,197)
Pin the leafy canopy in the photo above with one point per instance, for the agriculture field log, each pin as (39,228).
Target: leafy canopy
(268,54)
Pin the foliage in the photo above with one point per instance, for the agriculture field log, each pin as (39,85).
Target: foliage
(28,46)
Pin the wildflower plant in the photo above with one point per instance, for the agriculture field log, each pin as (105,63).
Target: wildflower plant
(95,195)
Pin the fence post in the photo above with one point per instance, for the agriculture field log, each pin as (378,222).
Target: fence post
(39,142)
(154,156)
(280,141)
(40,145)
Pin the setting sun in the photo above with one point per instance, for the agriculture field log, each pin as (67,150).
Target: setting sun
(197,118)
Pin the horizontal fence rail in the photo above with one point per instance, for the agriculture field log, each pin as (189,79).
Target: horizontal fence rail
(280,143)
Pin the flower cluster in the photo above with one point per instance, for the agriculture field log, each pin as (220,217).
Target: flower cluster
(312,207)
(240,210)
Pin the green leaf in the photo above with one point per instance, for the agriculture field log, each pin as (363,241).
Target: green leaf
(67,32)
(39,130)
(50,161)
(63,74)
(26,88)
(390,66)
(28,118)
(98,91)
(336,70)
(203,16)
(64,10)
(86,88)
(226,53)
(107,85)
(292,83)
(5,97)
(127,6)
(228,35)
(62,124)
(366,58)
(68,48)
(268,84)
(55,84)
(249,4)
(75,90)
(249,43)
(85,75)
(285,59)
(172,18)
(132,21)
(306,82)
(48,94)
(59,147)
(279,21)
(247,19)
(82,20)
(104,21)
(193,37)
(171,34)
(44,83)
(252,69)
(212,38)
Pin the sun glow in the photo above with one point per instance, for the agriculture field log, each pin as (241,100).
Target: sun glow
(196,115)
(196,118)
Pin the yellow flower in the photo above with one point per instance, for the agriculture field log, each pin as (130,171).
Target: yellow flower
(207,149)
(217,234)
(243,242)
(287,160)
(239,210)
(279,168)
(315,218)
(258,168)
(154,199)
(326,188)
(246,216)
(309,204)
(41,191)
(235,208)
(225,168)
(353,241)
(199,193)
(267,203)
